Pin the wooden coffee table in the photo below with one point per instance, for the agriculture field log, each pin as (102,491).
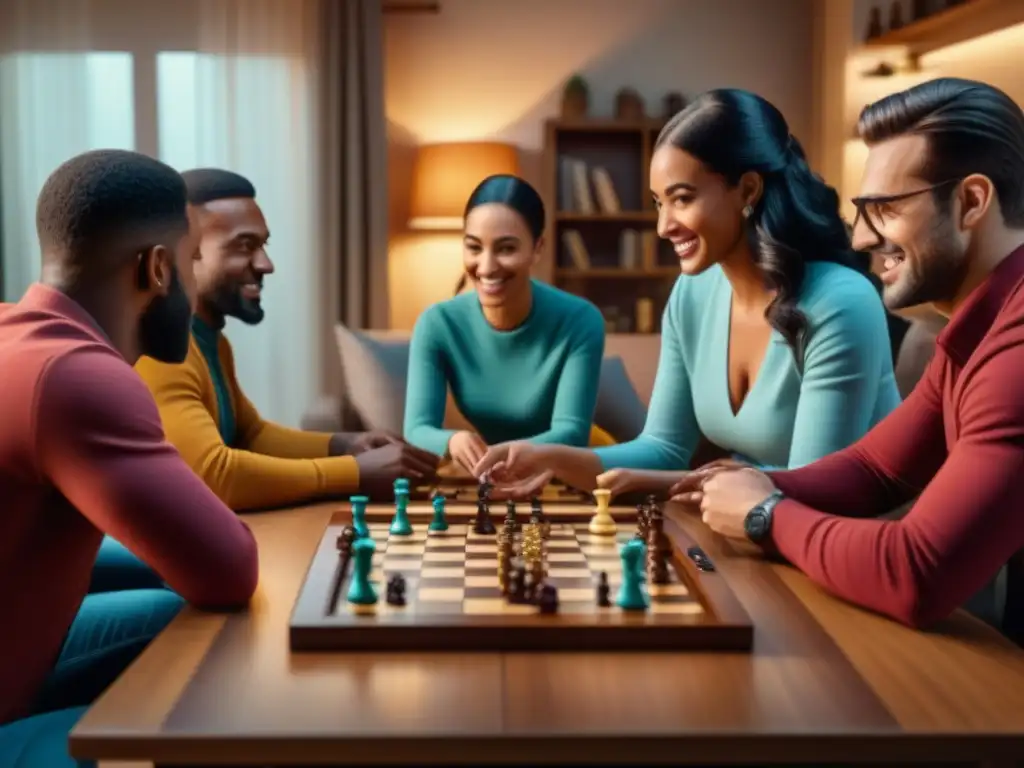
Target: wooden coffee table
(826,682)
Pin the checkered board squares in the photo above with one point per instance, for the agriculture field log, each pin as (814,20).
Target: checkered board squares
(456,572)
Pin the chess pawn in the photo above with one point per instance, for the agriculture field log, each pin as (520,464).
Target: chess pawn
(400,525)
(632,596)
(359,515)
(439,522)
(360,590)
(602,523)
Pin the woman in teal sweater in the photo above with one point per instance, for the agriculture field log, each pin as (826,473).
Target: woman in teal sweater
(775,344)
(522,358)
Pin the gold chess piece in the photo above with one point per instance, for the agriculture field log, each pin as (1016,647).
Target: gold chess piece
(602,523)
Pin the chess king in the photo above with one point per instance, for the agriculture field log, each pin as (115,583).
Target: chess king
(250,462)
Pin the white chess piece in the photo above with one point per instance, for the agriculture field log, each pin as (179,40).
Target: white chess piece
(602,523)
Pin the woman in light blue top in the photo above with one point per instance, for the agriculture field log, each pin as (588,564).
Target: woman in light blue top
(522,358)
(775,343)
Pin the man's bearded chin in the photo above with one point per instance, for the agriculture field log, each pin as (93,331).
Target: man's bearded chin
(933,274)
(233,304)
(165,326)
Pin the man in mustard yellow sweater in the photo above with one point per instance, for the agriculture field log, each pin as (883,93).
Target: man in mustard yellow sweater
(248,462)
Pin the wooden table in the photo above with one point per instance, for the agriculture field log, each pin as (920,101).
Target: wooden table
(826,682)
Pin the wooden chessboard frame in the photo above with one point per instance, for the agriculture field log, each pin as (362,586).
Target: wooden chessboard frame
(723,625)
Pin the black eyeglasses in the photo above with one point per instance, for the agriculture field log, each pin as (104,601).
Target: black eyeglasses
(864,204)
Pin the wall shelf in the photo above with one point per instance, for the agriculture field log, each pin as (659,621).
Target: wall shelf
(956,24)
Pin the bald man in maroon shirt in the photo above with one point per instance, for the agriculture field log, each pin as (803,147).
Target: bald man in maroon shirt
(943,204)
(83,454)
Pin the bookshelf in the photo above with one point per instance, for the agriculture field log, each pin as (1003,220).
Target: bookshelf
(601,234)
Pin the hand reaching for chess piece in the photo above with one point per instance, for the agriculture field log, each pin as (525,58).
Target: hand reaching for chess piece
(466,449)
(658,482)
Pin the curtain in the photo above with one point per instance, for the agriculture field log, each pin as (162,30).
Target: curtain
(285,92)
(353,139)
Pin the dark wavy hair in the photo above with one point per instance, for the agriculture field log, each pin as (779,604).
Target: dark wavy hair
(796,219)
(518,195)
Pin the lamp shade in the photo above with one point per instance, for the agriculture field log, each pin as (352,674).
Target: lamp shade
(446,174)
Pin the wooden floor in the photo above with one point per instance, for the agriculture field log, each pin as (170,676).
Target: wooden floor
(826,683)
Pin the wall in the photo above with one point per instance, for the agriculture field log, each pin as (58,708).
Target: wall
(997,59)
(485,69)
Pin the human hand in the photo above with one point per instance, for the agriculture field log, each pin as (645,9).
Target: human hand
(524,488)
(620,481)
(728,495)
(466,449)
(687,490)
(380,467)
(509,462)
(360,442)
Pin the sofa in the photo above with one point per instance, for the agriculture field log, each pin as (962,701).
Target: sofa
(374,366)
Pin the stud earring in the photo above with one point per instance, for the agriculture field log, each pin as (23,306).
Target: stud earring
(748,211)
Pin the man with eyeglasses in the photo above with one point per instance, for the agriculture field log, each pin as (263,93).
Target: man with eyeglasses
(943,205)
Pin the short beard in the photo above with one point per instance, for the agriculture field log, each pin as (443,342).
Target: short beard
(933,274)
(229,303)
(165,326)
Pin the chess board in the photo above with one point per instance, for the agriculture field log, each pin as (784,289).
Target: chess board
(465,491)
(453,601)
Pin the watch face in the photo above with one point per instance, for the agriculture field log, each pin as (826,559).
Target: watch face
(756,524)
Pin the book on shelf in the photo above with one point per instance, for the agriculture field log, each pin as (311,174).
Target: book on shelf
(576,248)
(579,186)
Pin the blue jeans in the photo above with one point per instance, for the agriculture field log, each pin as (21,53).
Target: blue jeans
(113,626)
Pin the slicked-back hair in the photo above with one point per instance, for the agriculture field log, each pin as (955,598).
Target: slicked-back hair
(970,128)
(105,206)
(208,184)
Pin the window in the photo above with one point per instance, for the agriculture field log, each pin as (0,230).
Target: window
(95,94)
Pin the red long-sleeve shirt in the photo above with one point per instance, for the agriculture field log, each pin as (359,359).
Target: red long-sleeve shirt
(958,441)
(82,453)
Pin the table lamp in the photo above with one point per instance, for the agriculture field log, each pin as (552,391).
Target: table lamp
(446,174)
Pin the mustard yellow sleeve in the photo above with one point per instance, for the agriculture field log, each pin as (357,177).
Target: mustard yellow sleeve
(266,437)
(242,479)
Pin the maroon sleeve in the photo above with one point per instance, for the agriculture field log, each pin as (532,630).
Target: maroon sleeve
(964,526)
(101,444)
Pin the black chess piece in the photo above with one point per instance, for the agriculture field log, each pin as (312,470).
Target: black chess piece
(641,522)
(344,544)
(482,524)
(517,593)
(547,599)
(511,520)
(396,590)
(603,590)
(536,510)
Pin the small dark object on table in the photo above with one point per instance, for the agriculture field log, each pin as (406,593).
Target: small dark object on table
(603,590)
(396,590)
(547,599)
(702,561)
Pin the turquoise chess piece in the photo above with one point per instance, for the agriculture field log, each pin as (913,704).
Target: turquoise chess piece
(359,516)
(632,596)
(439,523)
(400,525)
(360,588)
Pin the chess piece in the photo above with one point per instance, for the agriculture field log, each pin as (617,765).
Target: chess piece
(360,589)
(632,595)
(602,523)
(505,554)
(517,584)
(511,520)
(603,590)
(536,510)
(547,599)
(482,524)
(396,590)
(400,525)
(359,515)
(641,522)
(439,521)
(657,557)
